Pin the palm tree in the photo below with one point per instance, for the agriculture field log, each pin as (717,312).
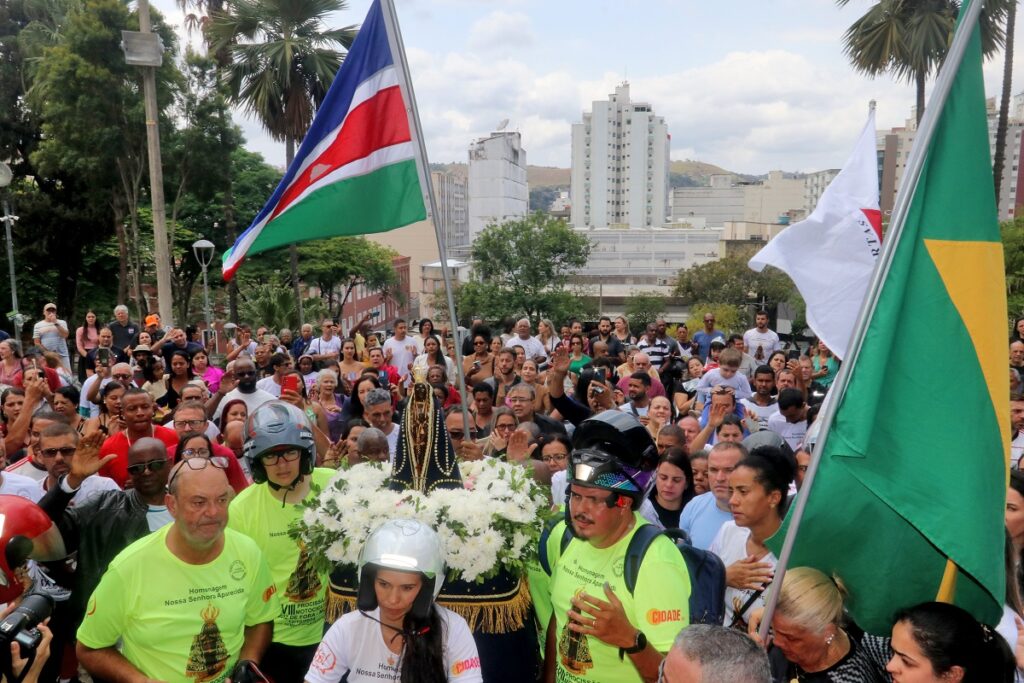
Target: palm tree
(910,38)
(999,155)
(282,62)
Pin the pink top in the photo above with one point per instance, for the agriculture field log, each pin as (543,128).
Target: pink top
(86,341)
(212,378)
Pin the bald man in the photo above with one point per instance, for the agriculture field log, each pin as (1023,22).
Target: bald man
(191,600)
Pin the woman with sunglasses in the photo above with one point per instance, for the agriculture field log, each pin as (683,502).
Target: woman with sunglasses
(282,457)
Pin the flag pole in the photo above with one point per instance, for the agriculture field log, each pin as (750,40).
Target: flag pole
(908,186)
(426,184)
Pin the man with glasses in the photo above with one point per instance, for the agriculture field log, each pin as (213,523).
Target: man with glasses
(98,529)
(464,444)
(190,420)
(104,375)
(379,411)
(521,399)
(281,455)
(704,515)
(137,409)
(192,600)
(57,444)
(244,371)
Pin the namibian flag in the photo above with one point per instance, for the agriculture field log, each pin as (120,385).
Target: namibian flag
(356,170)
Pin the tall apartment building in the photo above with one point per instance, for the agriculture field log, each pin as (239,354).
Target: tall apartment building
(620,165)
(452,211)
(814,186)
(497,188)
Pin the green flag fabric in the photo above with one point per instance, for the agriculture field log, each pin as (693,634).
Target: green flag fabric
(913,468)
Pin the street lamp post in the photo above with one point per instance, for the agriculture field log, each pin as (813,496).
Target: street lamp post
(203,249)
(5,179)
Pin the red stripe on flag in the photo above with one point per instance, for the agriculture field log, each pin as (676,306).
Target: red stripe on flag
(378,122)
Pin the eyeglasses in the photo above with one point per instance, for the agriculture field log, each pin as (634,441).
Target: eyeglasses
(121,376)
(185,424)
(557,457)
(218,461)
(459,435)
(66,451)
(274,457)
(196,453)
(151,465)
(504,428)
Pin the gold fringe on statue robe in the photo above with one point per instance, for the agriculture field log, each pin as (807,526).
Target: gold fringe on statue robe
(489,613)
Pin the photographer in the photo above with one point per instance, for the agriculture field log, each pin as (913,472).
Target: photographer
(17,665)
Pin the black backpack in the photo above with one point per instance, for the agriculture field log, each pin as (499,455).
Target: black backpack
(706,570)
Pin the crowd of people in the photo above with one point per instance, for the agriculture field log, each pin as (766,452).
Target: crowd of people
(173,484)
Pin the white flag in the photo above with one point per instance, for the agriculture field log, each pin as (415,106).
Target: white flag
(830,254)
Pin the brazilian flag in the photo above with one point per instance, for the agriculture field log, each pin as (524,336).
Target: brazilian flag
(911,485)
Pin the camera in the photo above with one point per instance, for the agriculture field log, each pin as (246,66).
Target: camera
(103,356)
(20,625)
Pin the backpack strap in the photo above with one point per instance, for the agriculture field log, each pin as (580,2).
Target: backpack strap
(635,551)
(542,550)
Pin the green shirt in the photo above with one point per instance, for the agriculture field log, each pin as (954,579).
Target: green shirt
(659,606)
(179,621)
(302,591)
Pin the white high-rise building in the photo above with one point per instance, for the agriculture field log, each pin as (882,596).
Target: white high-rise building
(620,165)
(498,190)
(450,195)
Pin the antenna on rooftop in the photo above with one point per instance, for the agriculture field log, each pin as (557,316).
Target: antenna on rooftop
(502,125)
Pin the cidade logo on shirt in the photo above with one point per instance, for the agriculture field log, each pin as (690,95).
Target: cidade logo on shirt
(661,616)
(269,593)
(465,665)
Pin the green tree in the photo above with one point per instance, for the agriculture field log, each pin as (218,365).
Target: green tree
(1013,253)
(910,38)
(643,308)
(1002,124)
(523,267)
(282,62)
(274,306)
(728,317)
(337,265)
(731,281)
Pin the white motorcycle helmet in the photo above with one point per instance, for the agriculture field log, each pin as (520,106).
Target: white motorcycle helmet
(404,545)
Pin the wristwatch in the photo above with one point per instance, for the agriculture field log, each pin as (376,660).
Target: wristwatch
(639,645)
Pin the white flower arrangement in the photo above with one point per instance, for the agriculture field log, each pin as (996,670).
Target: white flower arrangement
(493,522)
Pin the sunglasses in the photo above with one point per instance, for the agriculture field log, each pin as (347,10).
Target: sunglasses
(457,434)
(151,465)
(245,373)
(66,451)
(218,461)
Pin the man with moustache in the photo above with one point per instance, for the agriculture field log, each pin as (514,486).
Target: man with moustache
(598,629)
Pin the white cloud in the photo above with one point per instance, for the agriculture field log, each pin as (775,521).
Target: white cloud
(501,30)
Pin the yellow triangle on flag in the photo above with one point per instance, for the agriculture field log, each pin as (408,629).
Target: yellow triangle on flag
(972,273)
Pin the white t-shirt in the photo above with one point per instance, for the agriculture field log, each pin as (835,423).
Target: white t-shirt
(393,442)
(252,401)
(17,485)
(628,407)
(268,385)
(761,345)
(1016,450)
(90,488)
(731,545)
(84,402)
(157,516)
(762,412)
(402,354)
(792,432)
(322,347)
(355,644)
(533,346)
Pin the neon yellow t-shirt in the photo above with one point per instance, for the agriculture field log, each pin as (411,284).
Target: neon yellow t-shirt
(302,590)
(179,621)
(659,606)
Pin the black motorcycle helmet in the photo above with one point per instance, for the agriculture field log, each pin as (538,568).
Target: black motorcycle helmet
(609,450)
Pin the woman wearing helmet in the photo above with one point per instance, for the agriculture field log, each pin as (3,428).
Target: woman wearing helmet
(398,632)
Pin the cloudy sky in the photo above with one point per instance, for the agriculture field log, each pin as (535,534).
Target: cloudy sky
(748,85)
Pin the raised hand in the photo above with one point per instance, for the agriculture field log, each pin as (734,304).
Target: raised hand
(87,460)
(519,447)
(560,360)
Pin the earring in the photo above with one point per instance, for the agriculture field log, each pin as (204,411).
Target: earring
(831,637)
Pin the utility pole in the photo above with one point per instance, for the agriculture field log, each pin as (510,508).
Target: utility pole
(146,50)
